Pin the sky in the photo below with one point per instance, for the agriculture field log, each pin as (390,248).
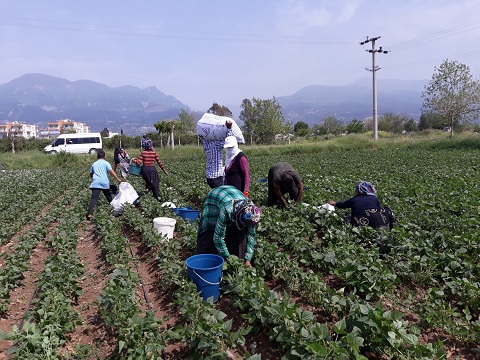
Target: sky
(224,51)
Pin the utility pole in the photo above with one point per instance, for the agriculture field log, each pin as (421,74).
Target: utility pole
(374,69)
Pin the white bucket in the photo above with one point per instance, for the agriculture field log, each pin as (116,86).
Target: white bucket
(164,226)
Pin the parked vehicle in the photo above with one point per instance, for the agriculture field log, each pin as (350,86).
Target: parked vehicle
(84,143)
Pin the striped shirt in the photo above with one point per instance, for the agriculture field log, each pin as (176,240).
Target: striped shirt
(148,158)
(217,214)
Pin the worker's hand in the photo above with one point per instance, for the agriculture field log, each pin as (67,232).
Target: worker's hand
(331,202)
(245,193)
(228,124)
(248,263)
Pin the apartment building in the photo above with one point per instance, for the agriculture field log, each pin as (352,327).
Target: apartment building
(18,129)
(63,126)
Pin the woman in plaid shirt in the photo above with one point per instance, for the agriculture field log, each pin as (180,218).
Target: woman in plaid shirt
(214,153)
(227,224)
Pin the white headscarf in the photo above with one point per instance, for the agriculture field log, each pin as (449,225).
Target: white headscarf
(232,150)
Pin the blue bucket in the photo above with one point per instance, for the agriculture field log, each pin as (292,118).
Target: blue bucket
(189,214)
(206,272)
(134,169)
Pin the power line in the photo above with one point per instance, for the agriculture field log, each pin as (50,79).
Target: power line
(437,35)
(165,33)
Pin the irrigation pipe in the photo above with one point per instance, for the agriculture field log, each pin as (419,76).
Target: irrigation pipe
(145,296)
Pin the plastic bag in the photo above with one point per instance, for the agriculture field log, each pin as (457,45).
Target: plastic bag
(126,194)
(327,206)
(212,127)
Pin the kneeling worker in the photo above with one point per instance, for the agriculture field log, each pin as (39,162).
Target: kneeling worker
(227,224)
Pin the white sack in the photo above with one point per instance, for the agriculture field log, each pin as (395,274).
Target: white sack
(169,204)
(326,206)
(329,207)
(126,194)
(212,127)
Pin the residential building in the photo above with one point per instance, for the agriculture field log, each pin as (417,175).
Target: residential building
(63,126)
(18,129)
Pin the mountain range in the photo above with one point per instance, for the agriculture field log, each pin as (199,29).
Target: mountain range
(39,98)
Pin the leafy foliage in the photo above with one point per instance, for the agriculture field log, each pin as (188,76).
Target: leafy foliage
(262,119)
(452,93)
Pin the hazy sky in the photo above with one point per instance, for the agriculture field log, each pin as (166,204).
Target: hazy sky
(224,51)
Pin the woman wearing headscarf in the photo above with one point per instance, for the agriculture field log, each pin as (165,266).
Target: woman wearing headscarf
(149,173)
(122,159)
(237,172)
(227,224)
(283,179)
(366,209)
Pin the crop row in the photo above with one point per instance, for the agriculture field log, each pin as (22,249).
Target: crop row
(341,289)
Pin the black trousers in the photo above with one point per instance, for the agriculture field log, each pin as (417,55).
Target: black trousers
(235,240)
(152,180)
(216,182)
(95,194)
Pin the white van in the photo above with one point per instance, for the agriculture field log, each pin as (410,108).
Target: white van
(84,143)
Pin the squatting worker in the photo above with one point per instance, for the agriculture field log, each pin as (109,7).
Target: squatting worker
(227,224)
(214,153)
(283,179)
(366,209)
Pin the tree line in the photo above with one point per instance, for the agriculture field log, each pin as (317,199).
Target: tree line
(451,101)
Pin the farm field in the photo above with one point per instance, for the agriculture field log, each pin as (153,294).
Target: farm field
(113,288)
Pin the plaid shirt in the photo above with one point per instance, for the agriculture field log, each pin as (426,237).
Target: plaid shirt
(213,151)
(217,214)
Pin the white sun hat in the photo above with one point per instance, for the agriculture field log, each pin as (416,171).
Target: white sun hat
(230,141)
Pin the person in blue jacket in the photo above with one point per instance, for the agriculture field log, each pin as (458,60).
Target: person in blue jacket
(366,209)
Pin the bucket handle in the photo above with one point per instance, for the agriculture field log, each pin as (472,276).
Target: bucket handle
(208,282)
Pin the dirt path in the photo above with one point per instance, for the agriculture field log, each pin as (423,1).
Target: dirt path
(92,333)
(150,292)
(21,296)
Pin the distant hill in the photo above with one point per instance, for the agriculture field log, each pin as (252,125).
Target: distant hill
(38,99)
(312,103)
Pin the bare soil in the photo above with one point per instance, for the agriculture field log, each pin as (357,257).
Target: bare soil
(22,296)
(94,335)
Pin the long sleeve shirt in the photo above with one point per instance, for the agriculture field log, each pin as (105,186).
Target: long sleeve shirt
(238,173)
(217,214)
(214,152)
(148,158)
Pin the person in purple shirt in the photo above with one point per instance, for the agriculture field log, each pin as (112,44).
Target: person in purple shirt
(366,209)
(237,172)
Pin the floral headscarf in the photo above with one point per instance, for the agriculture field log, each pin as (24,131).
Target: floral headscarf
(149,145)
(365,188)
(245,213)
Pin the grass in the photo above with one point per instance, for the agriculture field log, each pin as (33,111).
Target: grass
(435,140)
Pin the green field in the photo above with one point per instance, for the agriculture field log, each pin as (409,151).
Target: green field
(319,289)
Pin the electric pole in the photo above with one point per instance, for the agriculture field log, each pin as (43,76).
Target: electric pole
(374,69)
